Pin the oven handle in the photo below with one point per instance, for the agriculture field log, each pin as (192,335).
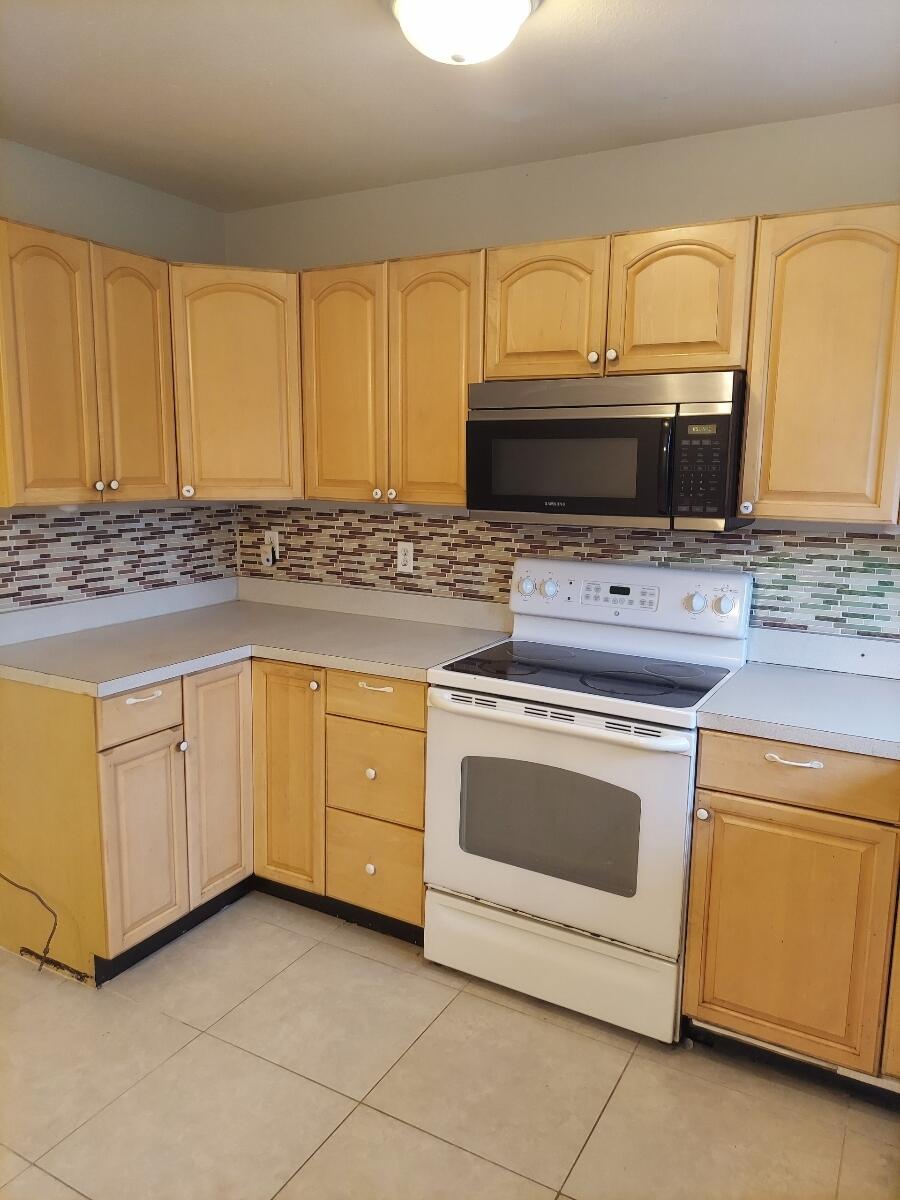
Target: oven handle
(666,743)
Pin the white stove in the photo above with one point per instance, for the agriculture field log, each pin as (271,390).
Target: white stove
(560,784)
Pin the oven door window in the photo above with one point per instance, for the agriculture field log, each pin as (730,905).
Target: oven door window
(552,821)
(615,466)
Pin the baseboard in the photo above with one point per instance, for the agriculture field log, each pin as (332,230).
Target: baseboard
(340,908)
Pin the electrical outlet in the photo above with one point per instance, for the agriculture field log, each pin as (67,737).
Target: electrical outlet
(405,557)
(270,539)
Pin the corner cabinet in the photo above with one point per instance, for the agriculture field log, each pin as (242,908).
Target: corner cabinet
(823,422)
(679,299)
(545,309)
(237,383)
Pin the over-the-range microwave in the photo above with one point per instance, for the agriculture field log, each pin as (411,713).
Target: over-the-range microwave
(648,451)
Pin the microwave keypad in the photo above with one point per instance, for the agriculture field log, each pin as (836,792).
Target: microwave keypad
(699,475)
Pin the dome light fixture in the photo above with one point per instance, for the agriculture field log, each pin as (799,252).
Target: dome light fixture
(460,32)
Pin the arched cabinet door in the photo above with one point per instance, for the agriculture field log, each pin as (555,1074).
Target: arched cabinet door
(135,389)
(237,383)
(48,397)
(435,353)
(545,309)
(344,326)
(679,299)
(823,422)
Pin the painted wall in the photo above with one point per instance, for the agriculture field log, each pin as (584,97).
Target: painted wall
(848,158)
(42,189)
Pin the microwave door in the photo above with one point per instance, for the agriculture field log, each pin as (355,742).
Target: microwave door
(578,466)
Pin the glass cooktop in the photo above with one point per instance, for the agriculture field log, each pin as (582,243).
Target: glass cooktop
(594,673)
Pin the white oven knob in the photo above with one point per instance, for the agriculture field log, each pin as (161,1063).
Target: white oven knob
(549,588)
(526,585)
(724,605)
(695,602)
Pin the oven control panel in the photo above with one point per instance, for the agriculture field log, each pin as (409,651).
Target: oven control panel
(683,600)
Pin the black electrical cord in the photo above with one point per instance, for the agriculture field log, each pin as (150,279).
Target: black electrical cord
(40,899)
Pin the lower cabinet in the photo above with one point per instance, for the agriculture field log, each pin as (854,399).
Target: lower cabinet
(890,1059)
(375,865)
(790,926)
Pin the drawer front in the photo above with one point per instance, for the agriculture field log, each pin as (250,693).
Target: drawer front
(374,865)
(374,698)
(853,784)
(375,771)
(135,714)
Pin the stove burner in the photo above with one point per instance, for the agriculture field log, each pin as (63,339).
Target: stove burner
(626,685)
(504,669)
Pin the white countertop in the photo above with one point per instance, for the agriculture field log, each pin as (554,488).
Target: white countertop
(133,654)
(831,709)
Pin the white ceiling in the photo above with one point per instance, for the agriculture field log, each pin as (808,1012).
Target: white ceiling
(239,103)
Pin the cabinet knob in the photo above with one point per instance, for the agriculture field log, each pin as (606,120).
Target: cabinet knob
(392,493)
(611,355)
(370,868)
(593,357)
(313,687)
(114,485)
(702,814)
(182,746)
(371,773)
(746,507)
(376,493)
(99,486)
(187,490)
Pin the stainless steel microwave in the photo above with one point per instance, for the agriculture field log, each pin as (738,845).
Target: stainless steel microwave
(649,451)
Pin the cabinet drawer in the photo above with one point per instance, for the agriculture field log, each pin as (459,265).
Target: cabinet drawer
(374,698)
(853,784)
(134,714)
(375,771)
(375,865)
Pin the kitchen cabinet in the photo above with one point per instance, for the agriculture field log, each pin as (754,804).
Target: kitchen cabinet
(375,865)
(789,926)
(890,1059)
(289,774)
(50,451)
(219,771)
(235,335)
(679,299)
(135,389)
(545,309)
(376,771)
(823,421)
(345,385)
(436,320)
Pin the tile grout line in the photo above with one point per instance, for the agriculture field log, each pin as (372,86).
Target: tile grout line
(606,1105)
(312,1154)
(840,1170)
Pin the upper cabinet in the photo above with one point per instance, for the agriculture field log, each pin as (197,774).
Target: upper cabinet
(50,449)
(435,352)
(545,309)
(135,393)
(823,423)
(679,299)
(345,382)
(237,383)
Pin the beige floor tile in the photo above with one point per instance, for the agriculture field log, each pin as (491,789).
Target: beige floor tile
(823,1098)
(557,1016)
(67,1050)
(870,1170)
(35,1184)
(10,1164)
(519,1091)
(395,952)
(336,1017)
(876,1118)
(203,974)
(213,1123)
(296,917)
(667,1133)
(377,1158)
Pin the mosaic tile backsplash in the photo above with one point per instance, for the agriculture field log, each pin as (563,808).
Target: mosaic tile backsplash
(48,556)
(823,582)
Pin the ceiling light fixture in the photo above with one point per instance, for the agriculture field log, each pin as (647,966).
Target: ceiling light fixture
(460,32)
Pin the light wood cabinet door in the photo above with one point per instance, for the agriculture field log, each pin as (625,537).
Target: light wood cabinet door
(890,1059)
(237,383)
(49,393)
(436,323)
(135,389)
(144,837)
(545,309)
(679,299)
(219,776)
(345,382)
(789,925)
(289,774)
(823,422)
(376,865)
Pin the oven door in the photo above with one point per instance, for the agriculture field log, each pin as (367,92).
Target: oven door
(580,465)
(574,818)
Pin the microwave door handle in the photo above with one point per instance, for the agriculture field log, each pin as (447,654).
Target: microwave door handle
(664,481)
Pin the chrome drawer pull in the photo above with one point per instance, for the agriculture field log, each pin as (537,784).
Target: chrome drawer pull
(371,687)
(813,765)
(144,699)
